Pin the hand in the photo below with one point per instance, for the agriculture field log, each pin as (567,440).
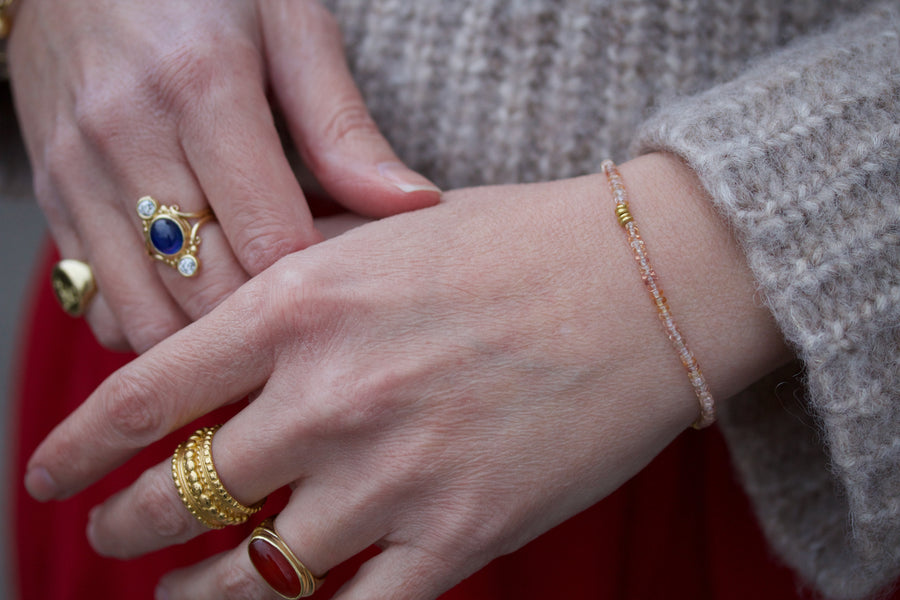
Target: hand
(447,384)
(118,100)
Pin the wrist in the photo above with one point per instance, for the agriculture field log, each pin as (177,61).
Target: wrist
(705,275)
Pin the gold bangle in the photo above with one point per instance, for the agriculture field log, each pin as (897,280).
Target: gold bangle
(623,213)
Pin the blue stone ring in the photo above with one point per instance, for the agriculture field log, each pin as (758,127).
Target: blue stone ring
(171,235)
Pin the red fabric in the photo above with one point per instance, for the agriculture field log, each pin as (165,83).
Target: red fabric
(681,529)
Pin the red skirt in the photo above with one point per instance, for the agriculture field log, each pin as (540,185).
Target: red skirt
(680,529)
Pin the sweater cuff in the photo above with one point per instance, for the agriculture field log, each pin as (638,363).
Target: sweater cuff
(800,155)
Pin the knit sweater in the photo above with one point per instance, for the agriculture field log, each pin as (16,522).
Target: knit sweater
(789,111)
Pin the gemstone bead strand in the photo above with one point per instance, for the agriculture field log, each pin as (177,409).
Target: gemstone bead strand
(623,213)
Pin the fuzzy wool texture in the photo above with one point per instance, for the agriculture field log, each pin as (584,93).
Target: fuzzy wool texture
(802,156)
(789,111)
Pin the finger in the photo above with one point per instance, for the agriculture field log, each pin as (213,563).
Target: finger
(232,574)
(226,576)
(146,159)
(131,289)
(253,456)
(397,573)
(149,514)
(166,177)
(218,277)
(328,118)
(401,572)
(231,142)
(130,284)
(104,325)
(145,516)
(100,317)
(210,363)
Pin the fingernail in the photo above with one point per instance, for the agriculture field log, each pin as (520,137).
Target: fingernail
(40,484)
(161,594)
(404,179)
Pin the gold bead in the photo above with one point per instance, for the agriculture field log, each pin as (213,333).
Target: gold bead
(623,214)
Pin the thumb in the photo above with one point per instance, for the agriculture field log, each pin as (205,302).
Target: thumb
(326,115)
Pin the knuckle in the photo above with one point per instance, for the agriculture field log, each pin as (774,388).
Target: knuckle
(182,76)
(131,412)
(322,19)
(348,121)
(239,582)
(259,251)
(102,116)
(61,155)
(303,297)
(161,511)
(194,70)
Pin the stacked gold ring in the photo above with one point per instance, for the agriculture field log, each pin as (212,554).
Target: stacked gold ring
(199,486)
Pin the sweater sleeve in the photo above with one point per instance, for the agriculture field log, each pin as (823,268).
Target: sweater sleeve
(801,155)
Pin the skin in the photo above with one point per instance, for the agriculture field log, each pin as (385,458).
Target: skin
(118,100)
(447,383)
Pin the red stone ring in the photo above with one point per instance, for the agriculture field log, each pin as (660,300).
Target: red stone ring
(278,565)
(170,235)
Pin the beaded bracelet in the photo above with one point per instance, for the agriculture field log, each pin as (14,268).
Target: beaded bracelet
(648,275)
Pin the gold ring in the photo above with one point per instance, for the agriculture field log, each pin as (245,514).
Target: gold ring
(170,236)
(74,286)
(199,486)
(278,565)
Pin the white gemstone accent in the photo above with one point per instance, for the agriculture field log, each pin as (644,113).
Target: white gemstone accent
(187,266)
(146,207)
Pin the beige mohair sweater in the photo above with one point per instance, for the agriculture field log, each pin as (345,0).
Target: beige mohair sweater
(789,111)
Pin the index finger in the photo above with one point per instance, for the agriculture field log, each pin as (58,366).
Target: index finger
(217,359)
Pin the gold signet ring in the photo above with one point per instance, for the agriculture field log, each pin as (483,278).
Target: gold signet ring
(74,286)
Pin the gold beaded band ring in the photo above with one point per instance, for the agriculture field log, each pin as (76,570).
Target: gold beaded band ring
(648,275)
(170,236)
(278,565)
(199,486)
